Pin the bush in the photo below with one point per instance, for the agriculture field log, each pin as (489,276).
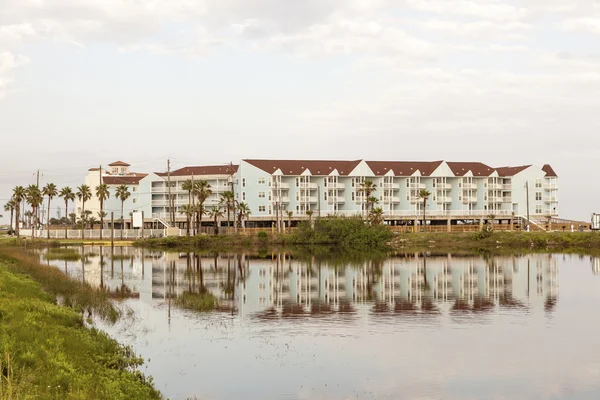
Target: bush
(263,236)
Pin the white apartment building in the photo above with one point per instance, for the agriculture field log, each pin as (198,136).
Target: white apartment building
(458,190)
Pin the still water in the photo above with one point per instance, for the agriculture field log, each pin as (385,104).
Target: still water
(409,326)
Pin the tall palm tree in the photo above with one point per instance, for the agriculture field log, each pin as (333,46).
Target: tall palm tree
(289,215)
(424,194)
(67,194)
(51,191)
(376,216)
(102,193)
(366,188)
(10,206)
(35,198)
(243,213)
(84,193)
(202,190)
(122,194)
(216,213)
(188,211)
(227,200)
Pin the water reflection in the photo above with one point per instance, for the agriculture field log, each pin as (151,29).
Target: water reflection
(279,286)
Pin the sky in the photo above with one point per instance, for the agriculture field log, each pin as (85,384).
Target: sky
(87,82)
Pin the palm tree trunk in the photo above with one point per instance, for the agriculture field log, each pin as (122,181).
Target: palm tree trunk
(200,212)
(188,226)
(101,217)
(424,211)
(66,216)
(48,220)
(228,218)
(82,221)
(17,209)
(122,219)
(12,211)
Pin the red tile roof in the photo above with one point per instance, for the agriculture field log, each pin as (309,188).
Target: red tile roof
(119,164)
(204,170)
(123,180)
(297,167)
(93,169)
(403,168)
(511,171)
(477,168)
(548,170)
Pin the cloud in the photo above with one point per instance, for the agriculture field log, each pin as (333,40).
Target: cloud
(8,64)
(582,25)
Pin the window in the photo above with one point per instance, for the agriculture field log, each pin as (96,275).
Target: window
(134,188)
(244,196)
(261,195)
(407,183)
(325,182)
(538,209)
(538,183)
(434,183)
(324,195)
(134,201)
(353,197)
(270,210)
(538,196)
(262,208)
(269,196)
(243,182)
(261,180)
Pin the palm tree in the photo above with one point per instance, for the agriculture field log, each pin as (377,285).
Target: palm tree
(424,194)
(366,188)
(84,193)
(310,214)
(188,186)
(289,215)
(122,194)
(216,213)
(227,200)
(188,211)
(102,193)
(92,221)
(203,190)
(34,197)
(50,191)
(371,201)
(376,216)
(67,194)
(243,213)
(10,206)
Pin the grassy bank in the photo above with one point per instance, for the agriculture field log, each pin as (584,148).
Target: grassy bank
(46,351)
(518,241)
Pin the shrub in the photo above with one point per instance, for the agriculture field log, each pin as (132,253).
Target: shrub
(263,236)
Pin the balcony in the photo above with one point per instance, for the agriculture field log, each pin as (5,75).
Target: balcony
(338,200)
(443,186)
(494,186)
(159,189)
(284,199)
(390,199)
(550,200)
(443,199)
(307,199)
(417,186)
(307,185)
(469,199)
(335,186)
(550,187)
(507,187)
(507,199)
(469,186)
(392,186)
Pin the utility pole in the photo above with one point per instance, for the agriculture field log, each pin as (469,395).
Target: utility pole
(169,184)
(527,193)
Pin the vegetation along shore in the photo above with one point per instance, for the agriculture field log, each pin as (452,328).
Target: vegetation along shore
(47,350)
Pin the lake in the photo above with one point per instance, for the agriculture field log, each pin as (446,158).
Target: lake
(413,326)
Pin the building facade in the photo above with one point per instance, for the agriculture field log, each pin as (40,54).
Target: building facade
(297,189)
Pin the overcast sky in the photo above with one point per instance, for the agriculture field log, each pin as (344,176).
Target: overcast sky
(86,82)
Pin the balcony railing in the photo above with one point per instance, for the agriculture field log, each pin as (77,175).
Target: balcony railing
(336,186)
(469,186)
(550,187)
(307,185)
(507,186)
(495,186)
(390,199)
(443,186)
(551,200)
(393,186)
(338,199)
(417,186)
(443,199)
(469,199)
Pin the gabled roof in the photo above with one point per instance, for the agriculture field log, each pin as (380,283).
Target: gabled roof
(204,170)
(477,168)
(119,164)
(548,170)
(297,167)
(511,171)
(94,169)
(124,180)
(403,168)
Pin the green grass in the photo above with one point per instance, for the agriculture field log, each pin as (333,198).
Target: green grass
(62,253)
(201,302)
(47,352)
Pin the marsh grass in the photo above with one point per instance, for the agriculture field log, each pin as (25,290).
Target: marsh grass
(62,254)
(47,352)
(201,302)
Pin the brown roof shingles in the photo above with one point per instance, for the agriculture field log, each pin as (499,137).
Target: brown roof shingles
(297,167)
(119,164)
(549,171)
(403,168)
(204,170)
(511,171)
(477,168)
(123,180)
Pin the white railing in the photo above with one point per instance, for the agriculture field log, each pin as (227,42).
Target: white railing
(417,186)
(307,185)
(332,200)
(494,186)
(507,199)
(93,233)
(443,186)
(469,186)
(390,186)
(550,187)
(550,200)
(469,199)
(442,199)
(507,187)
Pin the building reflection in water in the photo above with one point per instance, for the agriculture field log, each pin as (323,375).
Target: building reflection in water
(280,286)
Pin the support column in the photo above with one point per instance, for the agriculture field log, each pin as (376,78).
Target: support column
(449,225)
(416,225)
(481,223)
(142,224)
(112,228)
